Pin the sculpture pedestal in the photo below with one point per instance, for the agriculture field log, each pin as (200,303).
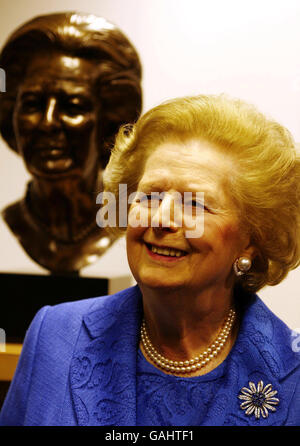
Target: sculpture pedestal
(22,295)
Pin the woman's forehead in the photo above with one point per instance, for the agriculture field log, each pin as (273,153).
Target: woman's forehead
(58,65)
(189,167)
(193,161)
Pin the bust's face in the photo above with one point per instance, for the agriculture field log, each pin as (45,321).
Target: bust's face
(55,116)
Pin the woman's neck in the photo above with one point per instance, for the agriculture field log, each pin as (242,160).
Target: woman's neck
(63,207)
(182,324)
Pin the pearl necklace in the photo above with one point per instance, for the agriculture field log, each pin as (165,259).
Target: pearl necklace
(195,363)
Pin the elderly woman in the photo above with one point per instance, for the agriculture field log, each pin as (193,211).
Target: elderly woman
(191,343)
(72,80)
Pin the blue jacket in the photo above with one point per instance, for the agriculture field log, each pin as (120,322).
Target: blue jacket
(78,366)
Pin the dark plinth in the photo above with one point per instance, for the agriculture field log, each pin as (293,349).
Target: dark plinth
(22,295)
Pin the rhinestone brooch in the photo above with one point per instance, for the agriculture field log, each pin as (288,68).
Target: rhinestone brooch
(258,400)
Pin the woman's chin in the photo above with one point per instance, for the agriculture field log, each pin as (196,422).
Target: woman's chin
(163,282)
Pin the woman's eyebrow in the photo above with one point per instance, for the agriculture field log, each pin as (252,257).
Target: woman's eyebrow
(152,186)
(30,90)
(211,196)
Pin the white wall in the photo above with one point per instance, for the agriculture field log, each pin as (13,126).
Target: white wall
(249,49)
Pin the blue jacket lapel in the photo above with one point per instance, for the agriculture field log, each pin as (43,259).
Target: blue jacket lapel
(103,369)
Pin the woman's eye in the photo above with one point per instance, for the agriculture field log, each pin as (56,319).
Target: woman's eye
(31,105)
(147,199)
(74,109)
(196,207)
(196,204)
(77,107)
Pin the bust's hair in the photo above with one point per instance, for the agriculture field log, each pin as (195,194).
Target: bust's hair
(265,186)
(118,84)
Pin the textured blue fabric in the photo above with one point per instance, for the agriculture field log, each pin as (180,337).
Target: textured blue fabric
(80,366)
(165,400)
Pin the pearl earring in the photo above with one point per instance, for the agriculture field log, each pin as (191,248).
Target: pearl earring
(242,265)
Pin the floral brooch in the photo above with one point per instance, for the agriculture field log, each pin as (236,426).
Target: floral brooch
(258,400)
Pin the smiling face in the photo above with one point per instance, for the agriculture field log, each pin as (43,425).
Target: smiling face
(162,257)
(55,116)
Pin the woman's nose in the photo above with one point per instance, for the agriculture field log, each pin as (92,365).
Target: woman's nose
(165,214)
(50,119)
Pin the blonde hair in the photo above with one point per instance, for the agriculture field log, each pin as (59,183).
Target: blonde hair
(265,185)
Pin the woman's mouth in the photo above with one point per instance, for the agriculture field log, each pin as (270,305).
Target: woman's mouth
(53,153)
(165,253)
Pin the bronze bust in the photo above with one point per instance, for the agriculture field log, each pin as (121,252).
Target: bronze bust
(71,80)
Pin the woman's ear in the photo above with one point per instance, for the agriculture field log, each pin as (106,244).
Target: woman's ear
(251,252)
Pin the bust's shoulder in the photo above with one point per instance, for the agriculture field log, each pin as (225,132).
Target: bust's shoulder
(13,216)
